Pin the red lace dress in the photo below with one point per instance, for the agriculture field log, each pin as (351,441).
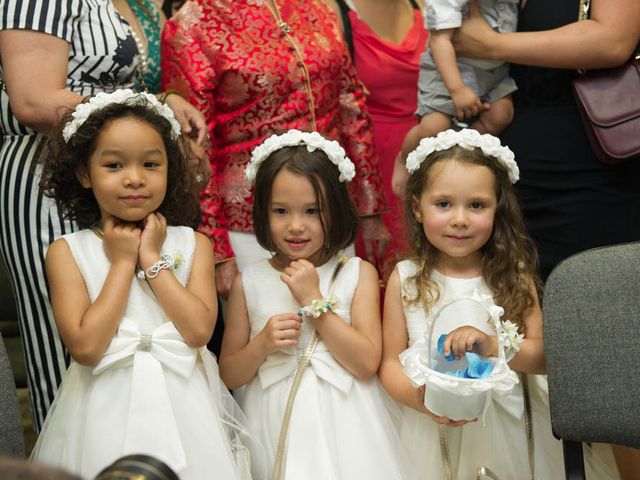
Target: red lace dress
(390,73)
(252,76)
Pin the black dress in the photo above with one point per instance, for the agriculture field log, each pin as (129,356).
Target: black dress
(571,201)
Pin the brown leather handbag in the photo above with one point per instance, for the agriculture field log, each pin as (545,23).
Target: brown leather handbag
(609,102)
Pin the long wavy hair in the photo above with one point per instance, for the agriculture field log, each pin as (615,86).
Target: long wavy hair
(509,257)
(61,161)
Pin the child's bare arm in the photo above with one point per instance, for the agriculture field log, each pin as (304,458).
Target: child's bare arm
(85,328)
(466,102)
(530,358)
(241,356)
(395,341)
(193,309)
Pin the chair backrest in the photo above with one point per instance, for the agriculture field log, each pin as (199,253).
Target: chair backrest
(591,308)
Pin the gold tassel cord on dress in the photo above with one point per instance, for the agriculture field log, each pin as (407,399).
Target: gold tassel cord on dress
(528,423)
(303,363)
(444,451)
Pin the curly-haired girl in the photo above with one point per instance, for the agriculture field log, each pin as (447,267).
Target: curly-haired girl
(134,297)
(468,242)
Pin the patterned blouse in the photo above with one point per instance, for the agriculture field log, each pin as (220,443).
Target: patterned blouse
(99,59)
(252,76)
(148,17)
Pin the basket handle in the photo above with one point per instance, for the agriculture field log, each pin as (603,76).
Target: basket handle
(486,301)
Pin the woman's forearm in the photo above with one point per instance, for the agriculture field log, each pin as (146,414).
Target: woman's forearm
(586,45)
(607,39)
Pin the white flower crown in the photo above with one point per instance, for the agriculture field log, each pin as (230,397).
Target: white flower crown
(468,139)
(312,140)
(84,110)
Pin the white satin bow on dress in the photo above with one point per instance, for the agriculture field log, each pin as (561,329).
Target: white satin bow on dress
(151,424)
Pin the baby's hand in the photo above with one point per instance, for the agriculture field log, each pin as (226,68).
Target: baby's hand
(467,103)
(467,339)
(152,238)
(121,241)
(400,176)
(302,279)
(281,331)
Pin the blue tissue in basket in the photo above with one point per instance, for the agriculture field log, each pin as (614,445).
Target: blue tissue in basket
(476,366)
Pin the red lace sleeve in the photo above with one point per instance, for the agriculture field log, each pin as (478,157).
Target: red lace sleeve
(189,70)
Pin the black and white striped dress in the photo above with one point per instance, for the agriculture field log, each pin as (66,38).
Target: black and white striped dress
(102,57)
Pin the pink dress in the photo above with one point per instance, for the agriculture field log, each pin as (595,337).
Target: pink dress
(390,72)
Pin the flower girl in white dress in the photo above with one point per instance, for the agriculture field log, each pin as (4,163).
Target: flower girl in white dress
(134,299)
(470,252)
(319,407)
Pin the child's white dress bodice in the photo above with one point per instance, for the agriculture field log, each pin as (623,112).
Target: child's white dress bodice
(501,443)
(340,426)
(150,393)
(267,296)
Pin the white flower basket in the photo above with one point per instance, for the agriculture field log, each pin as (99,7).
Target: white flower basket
(450,396)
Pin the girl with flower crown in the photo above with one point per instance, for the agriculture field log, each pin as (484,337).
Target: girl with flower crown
(471,262)
(133,294)
(53,54)
(303,327)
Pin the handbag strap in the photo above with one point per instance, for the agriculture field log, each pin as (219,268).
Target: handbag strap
(346,27)
(583,9)
(303,362)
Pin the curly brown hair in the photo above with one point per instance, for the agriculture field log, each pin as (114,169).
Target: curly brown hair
(338,215)
(509,258)
(61,161)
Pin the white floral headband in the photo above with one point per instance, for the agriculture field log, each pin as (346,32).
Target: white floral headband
(468,139)
(84,110)
(312,140)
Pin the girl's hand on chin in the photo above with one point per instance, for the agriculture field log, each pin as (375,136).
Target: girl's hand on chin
(152,238)
(302,279)
(121,241)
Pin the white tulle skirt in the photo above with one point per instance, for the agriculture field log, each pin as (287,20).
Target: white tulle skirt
(332,434)
(192,424)
(499,445)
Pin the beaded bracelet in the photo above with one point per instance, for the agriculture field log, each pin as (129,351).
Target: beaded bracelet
(165,262)
(318,307)
(511,339)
